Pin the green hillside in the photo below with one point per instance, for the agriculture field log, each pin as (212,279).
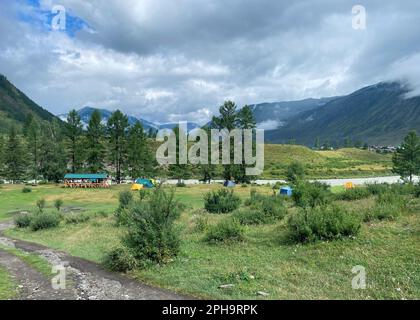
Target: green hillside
(15,106)
(340,163)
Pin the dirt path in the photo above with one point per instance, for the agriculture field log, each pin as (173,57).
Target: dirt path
(88,280)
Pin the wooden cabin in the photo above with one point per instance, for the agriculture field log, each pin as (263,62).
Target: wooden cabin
(87,180)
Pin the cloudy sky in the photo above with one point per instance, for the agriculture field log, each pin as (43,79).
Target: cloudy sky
(169,60)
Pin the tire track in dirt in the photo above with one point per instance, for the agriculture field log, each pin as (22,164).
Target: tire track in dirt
(89,281)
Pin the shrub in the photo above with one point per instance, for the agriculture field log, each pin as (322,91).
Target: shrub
(295,172)
(250,217)
(323,223)
(41,204)
(389,206)
(391,198)
(23,220)
(152,234)
(76,218)
(120,260)
(227,230)
(417,191)
(221,201)
(201,223)
(58,203)
(383,212)
(181,184)
(122,213)
(102,214)
(354,194)
(306,194)
(143,194)
(44,221)
(404,189)
(26,190)
(375,189)
(125,199)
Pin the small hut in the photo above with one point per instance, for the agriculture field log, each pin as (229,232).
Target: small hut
(86,180)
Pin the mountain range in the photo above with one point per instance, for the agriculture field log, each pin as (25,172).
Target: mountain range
(86,112)
(378,114)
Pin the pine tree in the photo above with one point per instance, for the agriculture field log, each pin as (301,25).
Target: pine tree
(15,157)
(208,171)
(228,119)
(52,156)
(245,120)
(32,132)
(95,153)
(406,159)
(139,156)
(73,132)
(117,132)
(179,171)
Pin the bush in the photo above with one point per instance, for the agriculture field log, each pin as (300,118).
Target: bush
(201,223)
(375,189)
(152,234)
(58,203)
(221,201)
(262,209)
(389,206)
(41,204)
(404,189)
(23,220)
(251,217)
(125,199)
(76,218)
(323,223)
(307,194)
(120,260)
(295,172)
(122,214)
(391,198)
(354,194)
(181,184)
(417,191)
(26,190)
(227,230)
(44,221)
(383,212)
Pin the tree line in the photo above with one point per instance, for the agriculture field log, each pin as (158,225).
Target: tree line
(45,150)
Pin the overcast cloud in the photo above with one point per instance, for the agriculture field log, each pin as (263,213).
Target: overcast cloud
(170,60)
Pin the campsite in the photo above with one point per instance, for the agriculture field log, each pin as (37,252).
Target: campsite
(263,262)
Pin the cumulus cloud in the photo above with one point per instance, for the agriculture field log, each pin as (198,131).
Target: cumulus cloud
(169,60)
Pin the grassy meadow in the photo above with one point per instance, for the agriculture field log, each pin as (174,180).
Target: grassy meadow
(342,163)
(265,261)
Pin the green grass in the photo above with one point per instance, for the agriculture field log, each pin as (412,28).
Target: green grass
(265,261)
(343,163)
(36,262)
(8,287)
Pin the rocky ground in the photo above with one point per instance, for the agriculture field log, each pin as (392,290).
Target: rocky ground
(85,280)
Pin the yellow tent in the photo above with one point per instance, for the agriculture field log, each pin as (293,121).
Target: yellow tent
(136,187)
(349,185)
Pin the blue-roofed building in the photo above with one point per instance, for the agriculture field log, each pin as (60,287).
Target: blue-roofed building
(87,180)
